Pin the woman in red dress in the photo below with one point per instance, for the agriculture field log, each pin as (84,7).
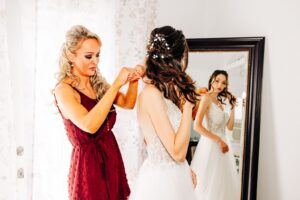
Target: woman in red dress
(85,101)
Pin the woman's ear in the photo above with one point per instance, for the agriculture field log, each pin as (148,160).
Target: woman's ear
(70,56)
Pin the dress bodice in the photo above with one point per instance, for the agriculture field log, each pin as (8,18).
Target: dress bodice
(160,176)
(216,119)
(156,151)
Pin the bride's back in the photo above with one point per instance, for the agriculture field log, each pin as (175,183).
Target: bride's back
(155,149)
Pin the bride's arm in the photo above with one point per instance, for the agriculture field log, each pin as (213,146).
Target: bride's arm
(176,144)
(230,123)
(198,125)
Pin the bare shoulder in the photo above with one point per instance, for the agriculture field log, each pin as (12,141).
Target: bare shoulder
(151,97)
(63,89)
(150,92)
(206,98)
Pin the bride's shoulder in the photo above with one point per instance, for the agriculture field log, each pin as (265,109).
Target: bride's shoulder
(150,91)
(206,97)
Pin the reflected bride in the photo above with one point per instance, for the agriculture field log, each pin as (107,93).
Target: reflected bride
(213,161)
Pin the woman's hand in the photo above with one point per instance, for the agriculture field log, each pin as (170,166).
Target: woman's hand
(140,69)
(194,178)
(186,104)
(202,90)
(223,146)
(138,72)
(125,75)
(135,73)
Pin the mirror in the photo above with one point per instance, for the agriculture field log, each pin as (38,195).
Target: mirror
(242,59)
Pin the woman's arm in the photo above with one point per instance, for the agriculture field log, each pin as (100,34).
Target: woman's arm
(230,123)
(198,125)
(154,105)
(88,121)
(201,92)
(128,100)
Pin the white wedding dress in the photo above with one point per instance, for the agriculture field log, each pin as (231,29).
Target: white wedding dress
(160,177)
(217,176)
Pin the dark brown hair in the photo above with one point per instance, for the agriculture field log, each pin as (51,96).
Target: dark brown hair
(167,60)
(225,94)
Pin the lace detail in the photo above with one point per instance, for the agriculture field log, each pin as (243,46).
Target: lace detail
(161,177)
(157,153)
(174,114)
(217,119)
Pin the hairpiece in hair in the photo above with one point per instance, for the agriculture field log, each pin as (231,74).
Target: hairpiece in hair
(160,42)
(160,38)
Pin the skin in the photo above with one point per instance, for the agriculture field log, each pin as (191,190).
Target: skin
(153,113)
(176,148)
(218,86)
(153,109)
(85,61)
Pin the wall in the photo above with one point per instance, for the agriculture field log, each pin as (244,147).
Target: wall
(278,21)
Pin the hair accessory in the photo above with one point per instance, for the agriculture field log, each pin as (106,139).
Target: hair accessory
(159,41)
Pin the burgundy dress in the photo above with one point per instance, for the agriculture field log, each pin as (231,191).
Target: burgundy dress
(97,170)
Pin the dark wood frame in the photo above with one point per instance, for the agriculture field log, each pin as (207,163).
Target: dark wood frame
(255,47)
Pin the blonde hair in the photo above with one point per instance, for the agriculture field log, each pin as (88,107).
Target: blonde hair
(74,38)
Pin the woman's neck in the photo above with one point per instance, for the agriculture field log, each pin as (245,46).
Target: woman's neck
(213,94)
(84,81)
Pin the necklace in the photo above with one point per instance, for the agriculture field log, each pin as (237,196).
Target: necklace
(219,104)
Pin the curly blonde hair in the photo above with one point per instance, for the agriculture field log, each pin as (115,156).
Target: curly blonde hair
(74,38)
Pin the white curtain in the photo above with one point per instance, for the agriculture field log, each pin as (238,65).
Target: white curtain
(17,97)
(133,27)
(7,155)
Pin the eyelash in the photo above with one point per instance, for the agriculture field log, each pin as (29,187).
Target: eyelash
(222,83)
(90,56)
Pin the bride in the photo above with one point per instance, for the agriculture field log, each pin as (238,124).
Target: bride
(165,174)
(213,161)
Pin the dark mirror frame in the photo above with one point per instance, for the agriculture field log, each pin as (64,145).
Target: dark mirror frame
(255,47)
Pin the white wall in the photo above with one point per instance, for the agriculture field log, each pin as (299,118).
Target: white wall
(279,163)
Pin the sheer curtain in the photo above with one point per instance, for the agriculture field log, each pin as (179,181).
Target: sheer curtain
(7,155)
(17,97)
(133,27)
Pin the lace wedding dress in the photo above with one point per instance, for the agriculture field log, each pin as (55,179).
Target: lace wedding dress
(160,177)
(217,176)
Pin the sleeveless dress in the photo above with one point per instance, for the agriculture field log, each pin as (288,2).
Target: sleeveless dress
(97,170)
(160,177)
(217,176)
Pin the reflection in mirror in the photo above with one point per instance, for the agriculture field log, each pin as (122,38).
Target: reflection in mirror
(201,67)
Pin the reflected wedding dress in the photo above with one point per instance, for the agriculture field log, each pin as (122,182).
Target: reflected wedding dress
(160,177)
(217,176)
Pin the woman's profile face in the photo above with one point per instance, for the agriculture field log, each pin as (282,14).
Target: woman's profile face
(219,83)
(86,58)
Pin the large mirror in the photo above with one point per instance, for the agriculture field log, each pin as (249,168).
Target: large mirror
(242,59)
